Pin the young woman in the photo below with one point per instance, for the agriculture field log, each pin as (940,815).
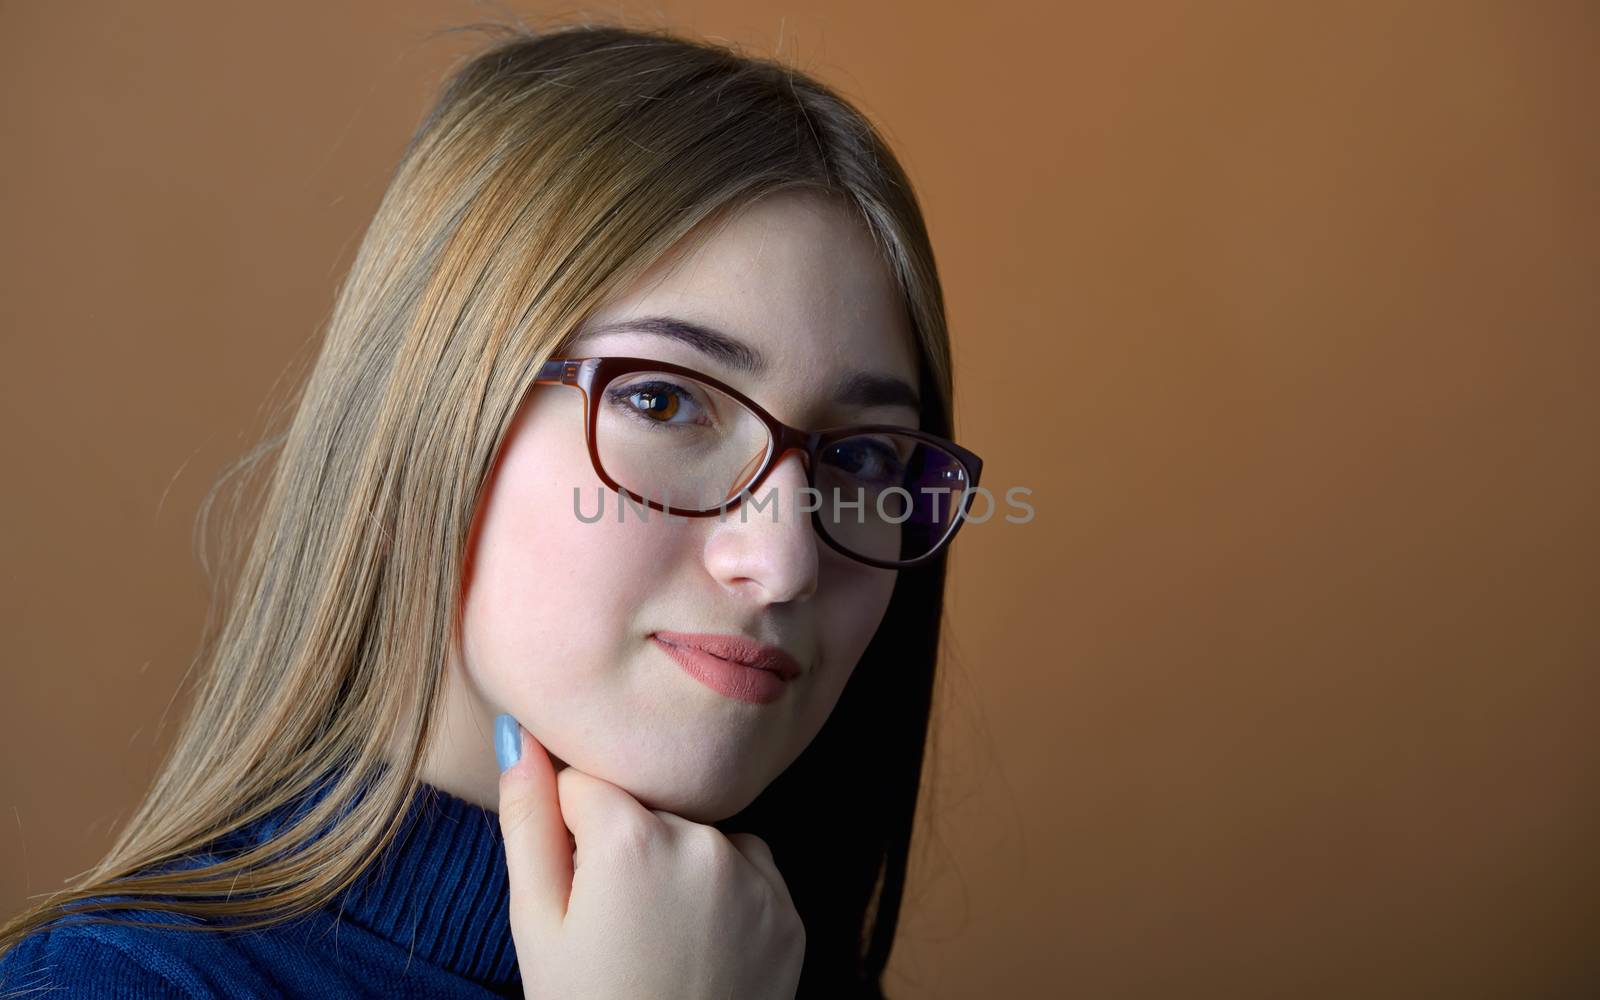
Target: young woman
(631,431)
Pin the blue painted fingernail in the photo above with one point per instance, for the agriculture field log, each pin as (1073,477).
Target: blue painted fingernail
(507,740)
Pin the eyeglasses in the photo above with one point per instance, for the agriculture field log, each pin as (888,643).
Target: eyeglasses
(683,443)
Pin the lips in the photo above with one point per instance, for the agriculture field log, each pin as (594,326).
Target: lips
(737,649)
(761,682)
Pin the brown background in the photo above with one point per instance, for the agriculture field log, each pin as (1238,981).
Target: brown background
(1287,313)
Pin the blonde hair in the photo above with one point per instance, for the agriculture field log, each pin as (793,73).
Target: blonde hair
(554,169)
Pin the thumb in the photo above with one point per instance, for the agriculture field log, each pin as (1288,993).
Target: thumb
(538,848)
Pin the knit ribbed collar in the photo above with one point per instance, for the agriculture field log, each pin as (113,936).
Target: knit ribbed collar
(439,890)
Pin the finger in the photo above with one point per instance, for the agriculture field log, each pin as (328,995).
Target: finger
(538,851)
(759,854)
(595,810)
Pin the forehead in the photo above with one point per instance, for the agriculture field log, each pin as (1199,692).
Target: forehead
(795,275)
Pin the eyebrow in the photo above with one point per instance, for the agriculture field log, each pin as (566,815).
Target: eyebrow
(857,389)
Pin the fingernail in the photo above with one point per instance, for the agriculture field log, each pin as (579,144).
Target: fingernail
(507,740)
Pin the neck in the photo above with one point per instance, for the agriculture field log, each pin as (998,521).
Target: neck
(461,758)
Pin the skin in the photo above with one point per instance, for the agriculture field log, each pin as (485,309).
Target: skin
(557,612)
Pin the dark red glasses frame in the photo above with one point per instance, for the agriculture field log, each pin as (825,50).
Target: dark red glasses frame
(591,375)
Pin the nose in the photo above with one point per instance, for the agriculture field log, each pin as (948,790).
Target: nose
(766,546)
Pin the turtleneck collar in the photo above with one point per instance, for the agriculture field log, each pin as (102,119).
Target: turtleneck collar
(440,890)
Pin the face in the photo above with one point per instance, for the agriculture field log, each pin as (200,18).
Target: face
(559,613)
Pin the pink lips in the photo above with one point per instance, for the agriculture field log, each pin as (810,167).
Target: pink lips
(731,665)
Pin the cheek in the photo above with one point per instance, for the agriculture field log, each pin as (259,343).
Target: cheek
(851,606)
(551,600)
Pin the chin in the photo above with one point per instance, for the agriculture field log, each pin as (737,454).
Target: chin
(696,801)
(704,785)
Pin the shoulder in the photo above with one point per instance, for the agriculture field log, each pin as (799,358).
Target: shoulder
(84,960)
(85,956)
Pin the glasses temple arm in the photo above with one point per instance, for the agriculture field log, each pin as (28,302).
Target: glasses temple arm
(558,370)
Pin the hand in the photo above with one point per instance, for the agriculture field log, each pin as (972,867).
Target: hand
(636,902)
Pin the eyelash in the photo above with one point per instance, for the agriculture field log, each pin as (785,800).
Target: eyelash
(883,454)
(621,396)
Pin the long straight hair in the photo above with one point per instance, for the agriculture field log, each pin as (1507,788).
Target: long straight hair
(555,168)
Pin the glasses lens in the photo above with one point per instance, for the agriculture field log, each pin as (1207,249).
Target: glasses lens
(686,445)
(677,441)
(889,496)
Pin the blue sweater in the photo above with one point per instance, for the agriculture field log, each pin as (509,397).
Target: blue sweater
(429,919)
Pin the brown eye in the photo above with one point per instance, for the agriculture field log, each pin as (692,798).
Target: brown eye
(655,404)
(658,403)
